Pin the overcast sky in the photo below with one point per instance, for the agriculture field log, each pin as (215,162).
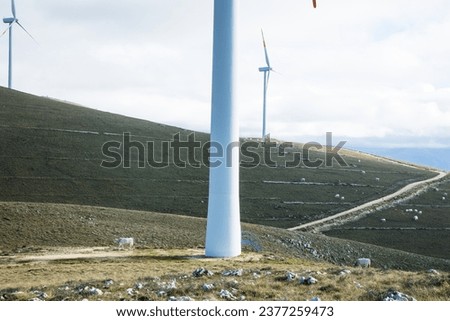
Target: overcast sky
(376,73)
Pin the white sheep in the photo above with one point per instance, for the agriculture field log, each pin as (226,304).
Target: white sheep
(125,241)
(383,220)
(337,196)
(363,262)
(415,218)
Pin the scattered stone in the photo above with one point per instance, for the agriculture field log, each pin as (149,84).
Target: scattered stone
(89,290)
(131,292)
(202,272)
(180,298)
(139,286)
(225,294)
(393,295)
(208,287)
(108,284)
(345,272)
(40,295)
(432,271)
(161,293)
(316,298)
(169,285)
(95,291)
(233,272)
(307,280)
(290,276)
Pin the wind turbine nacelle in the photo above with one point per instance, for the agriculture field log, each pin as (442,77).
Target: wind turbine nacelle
(262,69)
(8,20)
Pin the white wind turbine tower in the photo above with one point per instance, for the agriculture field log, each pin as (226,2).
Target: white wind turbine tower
(266,70)
(11,21)
(223,230)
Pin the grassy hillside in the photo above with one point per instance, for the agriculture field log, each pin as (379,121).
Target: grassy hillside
(428,235)
(51,152)
(31,227)
(67,252)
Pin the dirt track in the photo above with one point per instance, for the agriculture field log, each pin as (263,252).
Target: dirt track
(404,192)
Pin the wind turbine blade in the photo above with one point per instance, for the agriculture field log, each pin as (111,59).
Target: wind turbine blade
(4,31)
(13,9)
(26,31)
(265,49)
(267,80)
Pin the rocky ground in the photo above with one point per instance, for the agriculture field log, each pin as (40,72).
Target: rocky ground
(186,275)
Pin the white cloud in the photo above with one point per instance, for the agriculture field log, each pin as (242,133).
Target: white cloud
(366,70)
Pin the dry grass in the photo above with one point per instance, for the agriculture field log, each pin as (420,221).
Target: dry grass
(263,277)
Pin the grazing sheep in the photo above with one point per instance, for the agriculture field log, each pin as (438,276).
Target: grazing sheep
(363,262)
(125,241)
(383,220)
(415,218)
(377,179)
(342,198)
(363,172)
(337,196)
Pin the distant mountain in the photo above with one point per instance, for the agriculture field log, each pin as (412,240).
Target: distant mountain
(432,157)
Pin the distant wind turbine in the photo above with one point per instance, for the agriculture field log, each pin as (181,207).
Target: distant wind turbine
(11,21)
(266,70)
(223,228)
